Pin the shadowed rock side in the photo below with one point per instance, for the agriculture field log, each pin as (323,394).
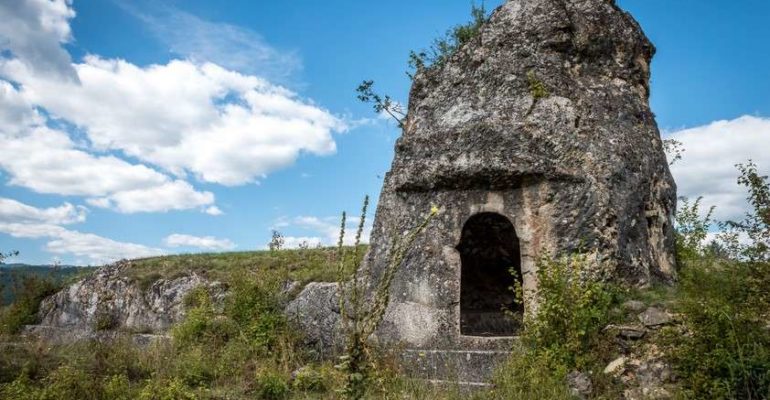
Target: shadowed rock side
(543,119)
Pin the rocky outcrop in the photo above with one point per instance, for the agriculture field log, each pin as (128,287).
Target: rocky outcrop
(316,312)
(542,120)
(109,301)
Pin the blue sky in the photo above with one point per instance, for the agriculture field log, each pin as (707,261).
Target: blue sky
(112,115)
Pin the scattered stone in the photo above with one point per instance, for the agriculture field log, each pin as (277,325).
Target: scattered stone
(634,305)
(654,317)
(580,384)
(631,332)
(616,367)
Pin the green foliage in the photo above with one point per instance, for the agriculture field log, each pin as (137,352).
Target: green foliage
(691,230)
(756,223)
(255,306)
(173,389)
(313,379)
(722,351)
(117,387)
(29,291)
(201,325)
(272,386)
(359,322)
(445,46)
(536,87)
(381,103)
(563,334)
(303,265)
(572,309)
(105,321)
(67,383)
(529,375)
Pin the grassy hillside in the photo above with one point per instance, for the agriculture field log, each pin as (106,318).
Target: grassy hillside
(304,265)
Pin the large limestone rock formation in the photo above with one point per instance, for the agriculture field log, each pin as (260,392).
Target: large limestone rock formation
(537,137)
(108,302)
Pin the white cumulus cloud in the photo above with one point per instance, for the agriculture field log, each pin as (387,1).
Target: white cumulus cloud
(221,126)
(201,242)
(25,221)
(33,31)
(708,167)
(15,211)
(47,161)
(324,231)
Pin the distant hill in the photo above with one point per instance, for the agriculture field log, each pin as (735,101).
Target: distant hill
(10,273)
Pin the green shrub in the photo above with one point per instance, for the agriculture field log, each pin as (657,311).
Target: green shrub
(173,389)
(724,352)
(572,310)
(194,366)
(563,334)
(271,386)
(22,388)
(722,349)
(530,374)
(117,387)
(254,304)
(105,321)
(29,291)
(67,383)
(445,46)
(311,379)
(536,87)
(202,326)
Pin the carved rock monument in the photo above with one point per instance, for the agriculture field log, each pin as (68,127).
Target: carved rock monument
(534,138)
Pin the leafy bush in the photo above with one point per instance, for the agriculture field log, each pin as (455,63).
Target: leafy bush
(173,389)
(254,304)
(445,46)
(201,325)
(117,387)
(272,386)
(312,379)
(572,309)
(29,291)
(67,383)
(563,333)
(722,351)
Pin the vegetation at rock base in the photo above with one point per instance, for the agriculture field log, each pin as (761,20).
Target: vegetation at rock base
(717,343)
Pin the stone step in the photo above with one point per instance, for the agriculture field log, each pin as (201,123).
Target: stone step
(469,367)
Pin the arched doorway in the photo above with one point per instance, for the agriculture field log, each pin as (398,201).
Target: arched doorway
(489,249)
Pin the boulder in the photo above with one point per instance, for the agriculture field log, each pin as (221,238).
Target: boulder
(654,317)
(316,313)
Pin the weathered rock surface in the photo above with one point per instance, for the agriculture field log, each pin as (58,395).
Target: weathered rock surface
(108,301)
(544,119)
(580,384)
(654,317)
(316,312)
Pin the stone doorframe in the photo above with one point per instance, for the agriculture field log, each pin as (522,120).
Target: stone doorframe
(522,224)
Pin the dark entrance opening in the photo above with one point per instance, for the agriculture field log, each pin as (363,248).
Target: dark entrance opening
(489,249)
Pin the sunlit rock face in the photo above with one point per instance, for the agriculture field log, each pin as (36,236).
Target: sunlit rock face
(543,119)
(108,301)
